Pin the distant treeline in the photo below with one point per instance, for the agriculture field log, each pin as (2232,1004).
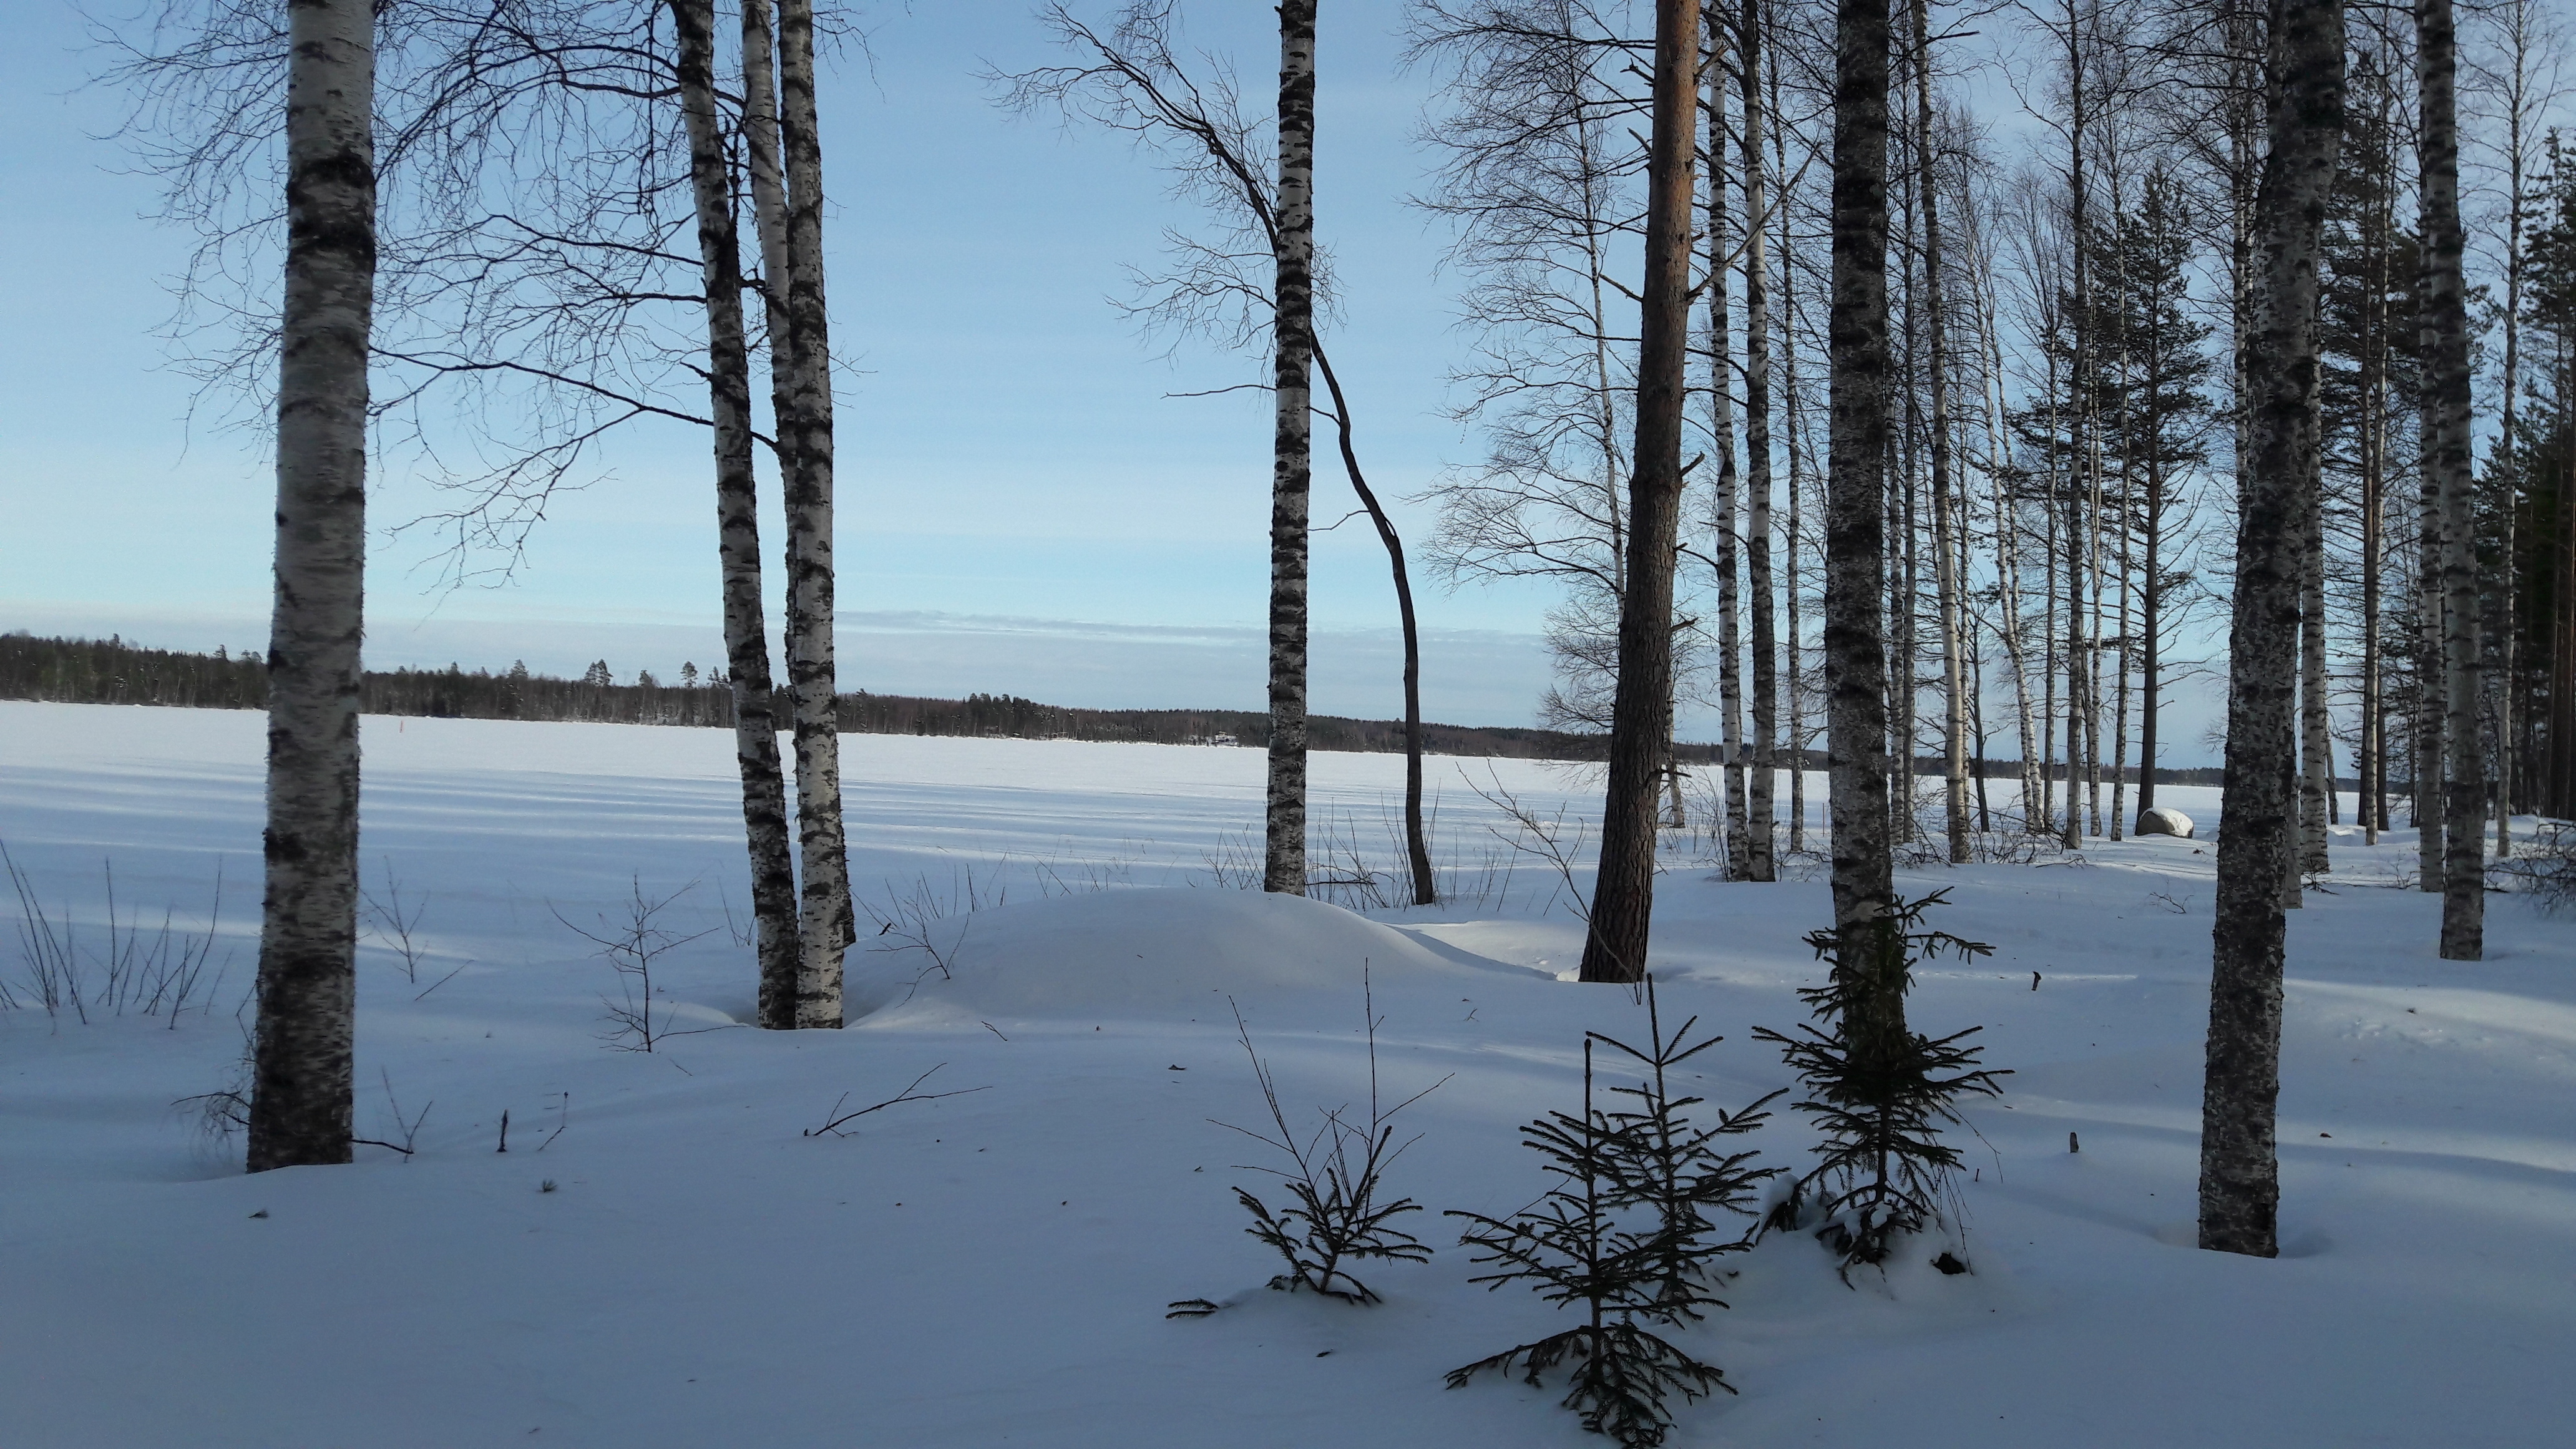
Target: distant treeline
(110,671)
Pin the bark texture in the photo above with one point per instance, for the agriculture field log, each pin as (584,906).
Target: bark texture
(1291,469)
(746,632)
(2239,1171)
(1856,739)
(301,1088)
(1954,706)
(1762,827)
(2444,338)
(825,923)
(1726,520)
(1642,708)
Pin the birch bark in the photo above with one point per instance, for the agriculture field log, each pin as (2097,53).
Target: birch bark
(301,1088)
(2444,333)
(825,925)
(1856,537)
(2239,1170)
(1291,470)
(746,633)
(1761,861)
(1954,715)
(1725,507)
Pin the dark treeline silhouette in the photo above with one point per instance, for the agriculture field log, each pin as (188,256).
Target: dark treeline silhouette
(110,671)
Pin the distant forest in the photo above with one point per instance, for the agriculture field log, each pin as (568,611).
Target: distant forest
(110,671)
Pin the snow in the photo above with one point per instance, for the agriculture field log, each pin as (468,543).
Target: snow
(992,1267)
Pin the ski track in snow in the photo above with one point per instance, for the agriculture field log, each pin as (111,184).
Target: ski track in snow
(991,1268)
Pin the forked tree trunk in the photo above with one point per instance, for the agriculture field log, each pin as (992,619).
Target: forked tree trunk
(2239,1171)
(825,927)
(1954,704)
(301,1086)
(746,633)
(2447,456)
(1864,888)
(1417,842)
(1641,709)
(1761,861)
(1291,470)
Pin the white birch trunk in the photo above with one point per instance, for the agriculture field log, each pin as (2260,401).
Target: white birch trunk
(301,1084)
(1291,471)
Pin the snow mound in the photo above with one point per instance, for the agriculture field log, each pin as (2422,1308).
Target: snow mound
(1149,954)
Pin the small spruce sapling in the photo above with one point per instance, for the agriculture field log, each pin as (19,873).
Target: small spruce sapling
(1625,1234)
(1337,1215)
(1884,1170)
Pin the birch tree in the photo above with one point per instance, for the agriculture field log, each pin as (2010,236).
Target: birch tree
(2444,334)
(2239,1171)
(1855,653)
(301,1085)
(746,631)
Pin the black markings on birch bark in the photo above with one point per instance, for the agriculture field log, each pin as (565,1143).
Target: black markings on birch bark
(1641,710)
(1954,714)
(825,925)
(1761,857)
(1855,537)
(2447,459)
(1726,520)
(1284,860)
(746,632)
(301,1087)
(2239,1172)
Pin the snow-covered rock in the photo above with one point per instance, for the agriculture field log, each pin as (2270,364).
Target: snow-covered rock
(2164,820)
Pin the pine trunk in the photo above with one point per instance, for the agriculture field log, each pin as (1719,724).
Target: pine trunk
(301,1087)
(1864,889)
(2239,1169)
(2444,333)
(1641,709)
(746,633)
(1292,464)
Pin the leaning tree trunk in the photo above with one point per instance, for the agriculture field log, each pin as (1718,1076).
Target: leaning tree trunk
(746,633)
(1641,709)
(1954,717)
(1864,887)
(2239,1172)
(1761,860)
(1291,469)
(1417,842)
(2444,334)
(805,438)
(301,1089)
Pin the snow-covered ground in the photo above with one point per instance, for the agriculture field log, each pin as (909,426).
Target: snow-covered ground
(993,1267)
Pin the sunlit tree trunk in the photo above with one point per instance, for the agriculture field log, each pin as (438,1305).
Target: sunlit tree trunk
(746,633)
(2239,1170)
(1291,468)
(301,1088)
(1641,710)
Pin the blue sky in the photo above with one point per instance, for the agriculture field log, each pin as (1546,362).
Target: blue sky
(1024,507)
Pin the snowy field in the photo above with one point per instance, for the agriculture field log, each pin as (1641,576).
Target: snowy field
(662,1258)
